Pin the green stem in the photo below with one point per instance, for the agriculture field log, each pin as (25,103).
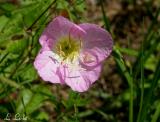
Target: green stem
(76,108)
(105,18)
(121,64)
(148,97)
(131,102)
(13,72)
(156,114)
(4,57)
(76,112)
(9,82)
(147,39)
(142,83)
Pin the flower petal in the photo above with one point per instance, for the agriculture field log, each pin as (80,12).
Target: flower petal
(91,58)
(81,80)
(47,66)
(58,28)
(97,43)
(91,75)
(76,81)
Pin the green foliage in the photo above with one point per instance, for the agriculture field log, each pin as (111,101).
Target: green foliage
(31,100)
(17,46)
(74,99)
(23,93)
(73,8)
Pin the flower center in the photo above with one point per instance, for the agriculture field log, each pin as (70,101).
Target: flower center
(68,48)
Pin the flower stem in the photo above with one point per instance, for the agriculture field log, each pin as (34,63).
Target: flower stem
(156,114)
(76,108)
(131,102)
(9,82)
(142,84)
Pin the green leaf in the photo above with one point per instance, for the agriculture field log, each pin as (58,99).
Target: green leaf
(128,51)
(27,73)
(151,62)
(7,6)
(9,82)
(24,98)
(119,60)
(3,21)
(13,27)
(156,115)
(43,116)
(17,46)
(62,4)
(31,100)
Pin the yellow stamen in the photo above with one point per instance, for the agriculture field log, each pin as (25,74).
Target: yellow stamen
(68,48)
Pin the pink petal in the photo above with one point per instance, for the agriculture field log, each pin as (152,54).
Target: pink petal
(58,28)
(81,80)
(97,42)
(91,75)
(48,67)
(91,58)
(76,81)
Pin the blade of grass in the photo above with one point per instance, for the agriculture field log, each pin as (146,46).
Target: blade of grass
(150,30)
(142,84)
(103,114)
(156,114)
(128,77)
(152,48)
(147,52)
(118,58)
(4,57)
(85,113)
(49,6)
(148,97)
(105,18)
(147,39)
(9,82)
(128,51)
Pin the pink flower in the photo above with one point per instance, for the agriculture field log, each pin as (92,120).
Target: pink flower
(72,54)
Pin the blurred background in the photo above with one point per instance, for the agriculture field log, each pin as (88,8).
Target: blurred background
(128,89)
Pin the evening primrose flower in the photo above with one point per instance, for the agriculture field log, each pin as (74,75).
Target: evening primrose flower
(72,54)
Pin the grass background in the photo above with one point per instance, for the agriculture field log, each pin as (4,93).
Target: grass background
(129,87)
